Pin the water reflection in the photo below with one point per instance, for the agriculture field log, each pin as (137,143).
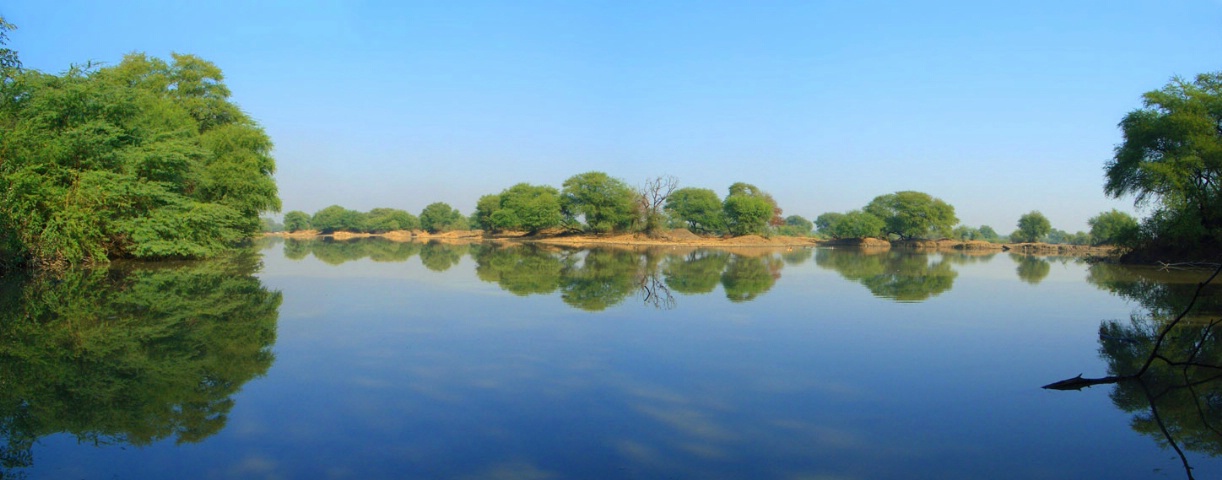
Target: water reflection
(1031,269)
(596,279)
(129,356)
(1178,401)
(901,276)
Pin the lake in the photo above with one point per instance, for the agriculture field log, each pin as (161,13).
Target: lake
(376,359)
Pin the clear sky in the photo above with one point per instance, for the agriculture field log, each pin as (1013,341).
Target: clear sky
(998,108)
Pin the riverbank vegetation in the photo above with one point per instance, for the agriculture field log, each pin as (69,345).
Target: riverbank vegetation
(147,158)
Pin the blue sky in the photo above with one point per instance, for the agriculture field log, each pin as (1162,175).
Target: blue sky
(999,108)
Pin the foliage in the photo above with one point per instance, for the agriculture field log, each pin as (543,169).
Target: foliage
(1171,157)
(382,220)
(270,225)
(336,218)
(854,224)
(988,234)
(522,207)
(1113,228)
(910,215)
(1032,227)
(748,210)
(146,159)
(746,215)
(129,356)
(698,208)
(441,217)
(9,63)
(607,204)
(296,221)
(796,226)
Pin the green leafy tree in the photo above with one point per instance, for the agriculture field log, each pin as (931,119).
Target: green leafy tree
(698,208)
(796,226)
(911,215)
(382,220)
(748,210)
(1113,228)
(1171,157)
(441,217)
(524,207)
(854,224)
(607,204)
(336,219)
(146,158)
(965,233)
(1032,227)
(296,221)
(9,63)
(988,234)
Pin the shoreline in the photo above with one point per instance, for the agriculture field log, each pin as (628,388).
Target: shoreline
(683,238)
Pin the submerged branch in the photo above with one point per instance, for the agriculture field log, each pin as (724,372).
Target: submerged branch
(1078,383)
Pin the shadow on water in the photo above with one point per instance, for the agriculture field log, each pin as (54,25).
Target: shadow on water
(1165,364)
(131,355)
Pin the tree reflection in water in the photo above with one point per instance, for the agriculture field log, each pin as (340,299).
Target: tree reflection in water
(596,279)
(130,355)
(901,276)
(1166,365)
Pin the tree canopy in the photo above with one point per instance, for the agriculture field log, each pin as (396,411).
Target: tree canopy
(146,158)
(524,207)
(606,203)
(1113,228)
(1032,227)
(1171,158)
(910,215)
(699,209)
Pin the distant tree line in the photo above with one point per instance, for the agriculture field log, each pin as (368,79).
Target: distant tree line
(592,202)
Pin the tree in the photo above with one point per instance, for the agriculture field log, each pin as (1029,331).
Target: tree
(8,57)
(441,217)
(854,224)
(910,215)
(650,201)
(748,210)
(1032,227)
(698,208)
(988,234)
(965,233)
(296,221)
(146,159)
(747,189)
(746,215)
(1171,157)
(521,207)
(1113,228)
(606,203)
(336,218)
(382,220)
(796,226)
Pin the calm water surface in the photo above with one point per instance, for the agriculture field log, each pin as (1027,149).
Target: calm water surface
(375,359)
